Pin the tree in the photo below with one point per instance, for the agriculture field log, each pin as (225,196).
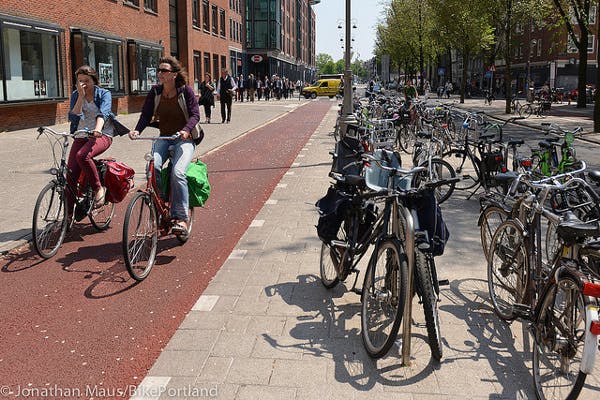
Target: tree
(325,64)
(466,27)
(577,14)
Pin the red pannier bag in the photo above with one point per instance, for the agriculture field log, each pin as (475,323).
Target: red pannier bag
(118,180)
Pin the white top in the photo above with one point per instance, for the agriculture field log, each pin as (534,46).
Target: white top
(89,111)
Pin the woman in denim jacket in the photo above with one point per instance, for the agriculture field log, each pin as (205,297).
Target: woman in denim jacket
(90,109)
(173,108)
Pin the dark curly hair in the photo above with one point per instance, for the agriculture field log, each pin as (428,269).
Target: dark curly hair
(182,76)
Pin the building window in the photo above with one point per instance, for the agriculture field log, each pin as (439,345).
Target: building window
(215,20)
(150,5)
(539,47)
(104,54)
(222,22)
(590,46)
(144,66)
(207,65)
(223,61)
(135,3)
(31,61)
(197,71)
(205,15)
(592,16)
(215,65)
(196,13)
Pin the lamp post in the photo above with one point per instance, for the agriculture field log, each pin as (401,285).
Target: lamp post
(347,115)
(528,91)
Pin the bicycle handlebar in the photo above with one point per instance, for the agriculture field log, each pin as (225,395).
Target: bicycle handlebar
(551,182)
(80,133)
(172,137)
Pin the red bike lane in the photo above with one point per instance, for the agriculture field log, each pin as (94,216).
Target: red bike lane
(79,322)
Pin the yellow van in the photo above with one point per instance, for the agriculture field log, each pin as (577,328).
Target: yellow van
(322,87)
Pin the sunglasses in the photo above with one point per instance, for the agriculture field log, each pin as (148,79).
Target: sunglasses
(164,70)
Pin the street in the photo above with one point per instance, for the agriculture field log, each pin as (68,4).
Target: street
(240,308)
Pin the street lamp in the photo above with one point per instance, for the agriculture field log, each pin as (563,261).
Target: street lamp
(348,116)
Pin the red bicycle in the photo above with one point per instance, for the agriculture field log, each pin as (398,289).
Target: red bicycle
(148,217)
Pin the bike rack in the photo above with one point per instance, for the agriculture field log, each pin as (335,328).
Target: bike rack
(410,252)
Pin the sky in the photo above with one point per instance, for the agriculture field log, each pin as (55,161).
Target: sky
(364,12)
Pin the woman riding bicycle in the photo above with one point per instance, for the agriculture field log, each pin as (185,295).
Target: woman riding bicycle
(90,109)
(172,107)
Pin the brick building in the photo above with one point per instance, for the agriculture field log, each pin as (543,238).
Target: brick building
(41,47)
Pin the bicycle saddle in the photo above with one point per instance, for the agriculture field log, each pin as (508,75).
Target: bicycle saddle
(595,176)
(571,229)
(515,142)
(544,144)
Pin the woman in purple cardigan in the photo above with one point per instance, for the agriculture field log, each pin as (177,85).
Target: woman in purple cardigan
(172,107)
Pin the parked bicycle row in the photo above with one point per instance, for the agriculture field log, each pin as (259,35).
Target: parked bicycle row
(539,224)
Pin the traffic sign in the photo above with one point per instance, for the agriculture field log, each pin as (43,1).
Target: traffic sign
(256,58)
(492,68)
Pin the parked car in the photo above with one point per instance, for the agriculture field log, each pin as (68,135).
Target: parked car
(322,87)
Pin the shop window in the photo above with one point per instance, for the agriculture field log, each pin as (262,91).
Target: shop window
(216,65)
(197,72)
(104,54)
(31,62)
(143,64)
(207,66)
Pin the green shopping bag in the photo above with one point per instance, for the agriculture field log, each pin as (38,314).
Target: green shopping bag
(197,178)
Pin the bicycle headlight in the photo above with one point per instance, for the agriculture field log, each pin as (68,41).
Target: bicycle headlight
(54,171)
(148,157)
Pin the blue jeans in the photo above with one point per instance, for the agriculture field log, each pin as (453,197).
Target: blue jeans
(183,151)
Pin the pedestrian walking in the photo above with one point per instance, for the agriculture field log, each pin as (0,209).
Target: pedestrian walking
(207,98)
(226,87)
(252,86)
(241,87)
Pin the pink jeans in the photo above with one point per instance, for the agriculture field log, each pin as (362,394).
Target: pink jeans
(81,159)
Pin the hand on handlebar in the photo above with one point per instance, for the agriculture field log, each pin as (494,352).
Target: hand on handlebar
(133,135)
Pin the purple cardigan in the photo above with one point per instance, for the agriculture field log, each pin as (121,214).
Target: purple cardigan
(190,100)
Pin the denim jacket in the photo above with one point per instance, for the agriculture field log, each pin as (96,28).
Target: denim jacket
(103,100)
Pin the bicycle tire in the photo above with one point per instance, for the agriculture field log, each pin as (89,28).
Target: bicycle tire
(491,218)
(440,170)
(102,216)
(49,223)
(384,290)
(526,110)
(140,236)
(405,140)
(465,167)
(190,223)
(428,291)
(558,344)
(507,269)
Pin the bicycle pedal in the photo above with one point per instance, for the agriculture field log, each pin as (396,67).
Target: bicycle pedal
(443,282)
(522,311)
(339,243)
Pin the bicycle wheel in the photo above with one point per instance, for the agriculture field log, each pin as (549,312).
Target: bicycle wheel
(526,110)
(49,225)
(440,170)
(428,290)
(383,297)
(465,167)
(507,269)
(100,217)
(190,222)
(489,221)
(559,333)
(140,236)
(405,139)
